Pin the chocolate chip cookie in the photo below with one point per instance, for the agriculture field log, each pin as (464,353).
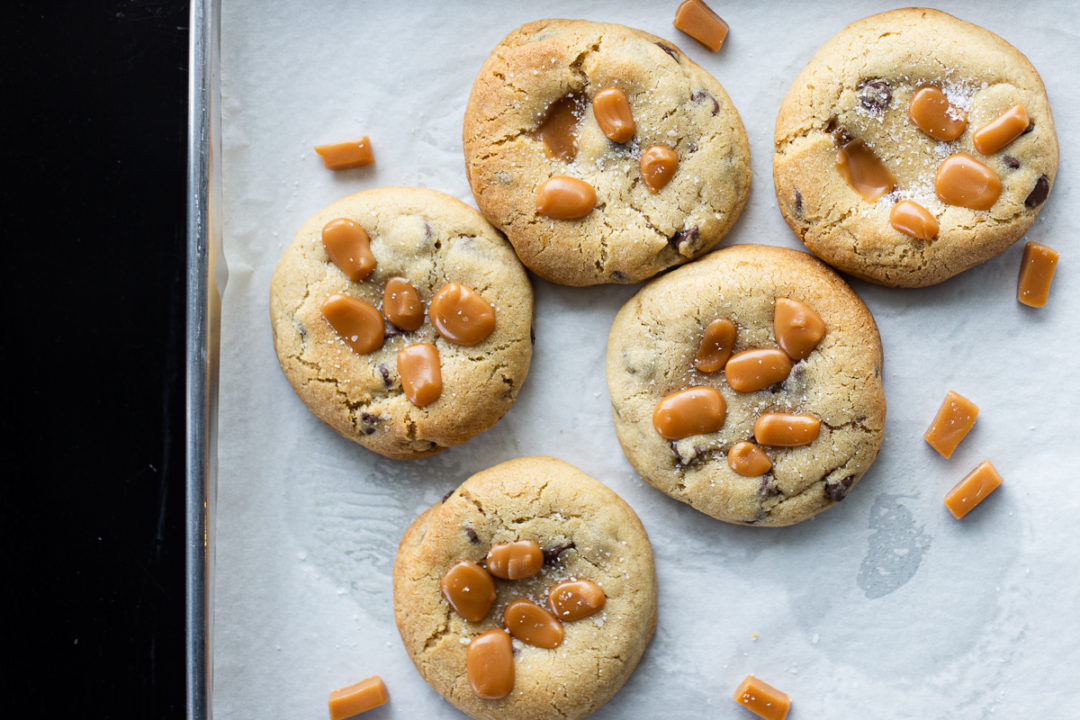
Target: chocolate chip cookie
(748,385)
(528,592)
(603,152)
(402,319)
(912,147)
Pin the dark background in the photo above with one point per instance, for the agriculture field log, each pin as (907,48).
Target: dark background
(95,105)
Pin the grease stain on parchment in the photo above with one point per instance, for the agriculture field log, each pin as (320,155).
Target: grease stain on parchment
(896,548)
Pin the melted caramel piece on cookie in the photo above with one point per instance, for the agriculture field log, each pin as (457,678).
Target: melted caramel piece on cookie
(698,20)
(349,247)
(1036,271)
(346,155)
(573,600)
(953,421)
(461,315)
(357,698)
(797,327)
(863,171)
(559,130)
(913,219)
(565,198)
(762,699)
(469,589)
(530,623)
(611,108)
(489,663)
(515,560)
(694,411)
(935,115)
(401,304)
(962,180)
(748,459)
(421,373)
(785,430)
(359,324)
(755,369)
(715,347)
(1002,130)
(658,164)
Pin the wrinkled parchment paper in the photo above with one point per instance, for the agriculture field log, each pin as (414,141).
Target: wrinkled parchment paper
(884,606)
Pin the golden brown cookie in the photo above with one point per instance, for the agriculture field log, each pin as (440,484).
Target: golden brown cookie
(433,316)
(673,372)
(657,158)
(583,533)
(913,92)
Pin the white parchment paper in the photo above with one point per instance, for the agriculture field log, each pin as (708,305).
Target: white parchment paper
(884,606)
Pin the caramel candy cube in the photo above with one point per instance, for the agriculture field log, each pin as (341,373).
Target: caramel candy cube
(357,698)
(762,699)
(1036,272)
(952,422)
(698,20)
(346,155)
(972,490)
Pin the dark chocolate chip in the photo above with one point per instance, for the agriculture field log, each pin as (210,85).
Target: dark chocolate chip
(669,51)
(798,203)
(1029,128)
(875,95)
(385,375)
(766,487)
(368,420)
(684,236)
(619,275)
(447,496)
(837,489)
(552,554)
(473,537)
(1038,194)
(1010,161)
(698,95)
(830,126)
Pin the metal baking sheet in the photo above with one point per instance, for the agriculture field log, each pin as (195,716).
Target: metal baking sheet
(883,606)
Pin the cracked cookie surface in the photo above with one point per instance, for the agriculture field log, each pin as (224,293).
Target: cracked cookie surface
(859,85)
(586,532)
(650,354)
(431,239)
(631,233)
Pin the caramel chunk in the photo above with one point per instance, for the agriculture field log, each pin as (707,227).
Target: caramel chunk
(755,369)
(559,130)
(784,430)
(658,164)
(530,623)
(954,419)
(762,699)
(515,560)
(962,180)
(565,198)
(401,304)
(1002,130)
(748,459)
(797,327)
(932,112)
(573,600)
(698,20)
(357,698)
(1036,271)
(972,490)
(613,114)
(863,171)
(913,219)
(715,347)
(421,373)
(349,247)
(461,315)
(694,411)
(489,662)
(346,155)
(469,589)
(359,324)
